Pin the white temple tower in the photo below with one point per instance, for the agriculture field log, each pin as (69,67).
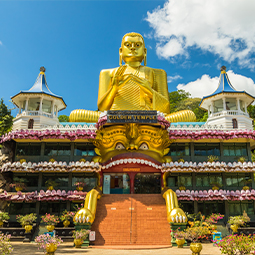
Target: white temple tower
(38,107)
(227,107)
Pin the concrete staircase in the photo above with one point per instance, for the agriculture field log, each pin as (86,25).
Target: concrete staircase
(138,219)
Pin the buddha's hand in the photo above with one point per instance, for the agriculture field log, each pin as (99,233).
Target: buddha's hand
(177,215)
(83,215)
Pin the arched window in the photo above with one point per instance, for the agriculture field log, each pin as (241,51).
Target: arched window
(235,124)
(30,124)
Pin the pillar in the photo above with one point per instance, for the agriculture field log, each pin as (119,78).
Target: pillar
(224,103)
(26,105)
(40,108)
(238,104)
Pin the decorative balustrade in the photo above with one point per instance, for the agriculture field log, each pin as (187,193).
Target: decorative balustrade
(230,112)
(36,113)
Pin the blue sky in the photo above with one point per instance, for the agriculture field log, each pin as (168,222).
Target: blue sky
(74,40)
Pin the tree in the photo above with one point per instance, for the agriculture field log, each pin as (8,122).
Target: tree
(5,118)
(175,97)
(63,118)
(181,100)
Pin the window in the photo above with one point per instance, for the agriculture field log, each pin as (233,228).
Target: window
(52,208)
(218,106)
(22,208)
(238,179)
(33,104)
(207,149)
(208,180)
(30,124)
(84,149)
(180,180)
(235,123)
(31,180)
(179,149)
(28,149)
(57,149)
(235,149)
(61,180)
(237,208)
(242,105)
(187,207)
(46,106)
(89,181)
(207,208)
(231,104)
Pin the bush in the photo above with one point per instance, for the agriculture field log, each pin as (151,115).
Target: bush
(5,245)
(236,244)
(27,219)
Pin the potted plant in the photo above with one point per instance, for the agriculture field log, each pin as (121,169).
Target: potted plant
(181,160)
(82,160)
(212,158)
(52,160)
(79,185)
(5,245)
(65,217)
(79,236)
(26,221)
(48,243)
(50,220)
(194,235)
(4,217)
(22,161)
(242,159)
(213,219)
(179,238)
(216,185)
(237,221)
(19,184)
(50,184)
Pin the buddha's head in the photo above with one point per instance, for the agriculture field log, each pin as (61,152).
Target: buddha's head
(132,49)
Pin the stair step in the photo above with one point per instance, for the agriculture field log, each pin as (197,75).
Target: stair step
(148,224)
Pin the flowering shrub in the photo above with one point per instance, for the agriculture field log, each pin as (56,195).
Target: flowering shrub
(5,245)
(196,233)
(26,219)
(43,240)
(4,216)
(50,219)
(80,234)
(236,244)
(214,218)
(18,183)
(66,215)
(79,184)
(238,220)
(179,234)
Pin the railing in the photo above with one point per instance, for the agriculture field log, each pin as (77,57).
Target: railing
(35,113)
(232,112)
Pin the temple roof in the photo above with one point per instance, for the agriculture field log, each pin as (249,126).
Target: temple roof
(41,86)
(225,86)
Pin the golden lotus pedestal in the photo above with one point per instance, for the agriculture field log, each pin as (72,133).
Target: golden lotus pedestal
(66,223)
(78,243)
(28,228)
(196,248)
(180,242)
(51,248)
(50,228)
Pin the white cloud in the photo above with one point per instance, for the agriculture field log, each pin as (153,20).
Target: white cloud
(223,28)
(1,43)
(206,85)
(173,78)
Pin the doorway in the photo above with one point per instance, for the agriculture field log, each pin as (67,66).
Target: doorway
(147,183)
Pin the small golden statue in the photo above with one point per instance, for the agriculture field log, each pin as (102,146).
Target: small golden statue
(132,86)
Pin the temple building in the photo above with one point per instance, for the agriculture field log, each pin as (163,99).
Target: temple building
(207,165)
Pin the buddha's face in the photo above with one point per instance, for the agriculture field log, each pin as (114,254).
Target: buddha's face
(132,49)
(121,141)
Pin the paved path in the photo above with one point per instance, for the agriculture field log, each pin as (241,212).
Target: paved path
(67,248)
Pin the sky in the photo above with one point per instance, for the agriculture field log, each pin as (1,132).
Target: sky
(75,40)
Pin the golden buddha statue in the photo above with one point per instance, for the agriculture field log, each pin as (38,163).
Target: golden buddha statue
(132,86)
